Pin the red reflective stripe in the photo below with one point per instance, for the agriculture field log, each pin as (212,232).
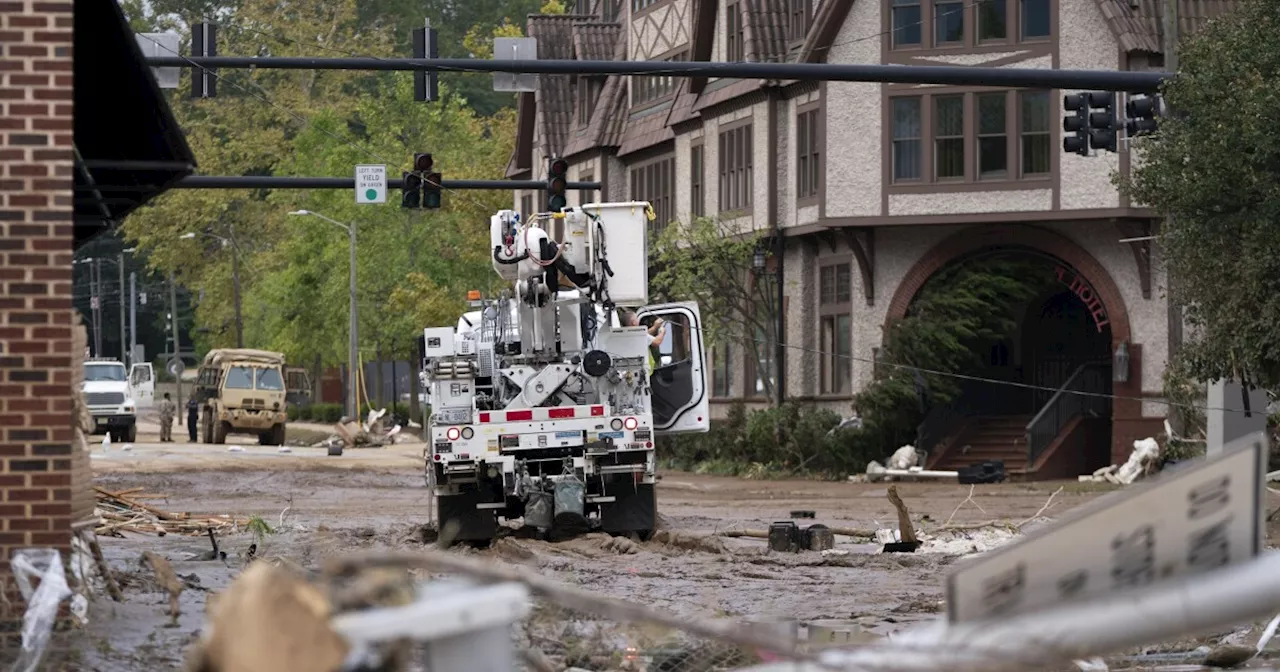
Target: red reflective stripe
(484,417)
(597,411)
(560,413)
(517,416)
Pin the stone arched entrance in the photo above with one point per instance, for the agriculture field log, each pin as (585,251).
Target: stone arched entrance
(1081,277)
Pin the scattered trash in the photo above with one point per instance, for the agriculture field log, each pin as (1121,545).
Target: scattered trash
(1143,461)
(106,442)
(236,449)
(127,446)
(904,458)
(284,449)
(44,564)
(122,512)
(1229,655)
(1092,665)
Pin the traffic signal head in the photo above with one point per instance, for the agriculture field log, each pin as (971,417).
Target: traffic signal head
(431,191)
(557,185)
(1142,113)
(422,163)
(412,191)
(1102,123)
(1076,124)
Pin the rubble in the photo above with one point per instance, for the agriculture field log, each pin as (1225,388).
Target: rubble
(122,512)
(1143,461)
(370,434)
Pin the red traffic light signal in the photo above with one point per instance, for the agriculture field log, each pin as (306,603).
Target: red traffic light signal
(422,163)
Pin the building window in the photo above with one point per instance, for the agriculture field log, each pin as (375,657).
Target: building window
(907,134)
(993,138)
(697,194)
(834,307)
(735,169)
(654,87)
(1035,19)
(637,5)
(586,196)
(948,137)
(589,89)
(654,181)
(1036,143)
(1008,138)
(906,22)
(735,43)
(721,371)
(807,154)
(526,207)
(798,18)
(998,21)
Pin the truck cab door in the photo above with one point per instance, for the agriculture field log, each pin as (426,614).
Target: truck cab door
(679,394)
(297,386)
(142,385)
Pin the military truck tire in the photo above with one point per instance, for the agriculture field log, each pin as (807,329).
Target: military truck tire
(335,451)
(206,427)
(220,432)
(276,435)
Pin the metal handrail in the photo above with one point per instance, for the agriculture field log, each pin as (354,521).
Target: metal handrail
(1081,393)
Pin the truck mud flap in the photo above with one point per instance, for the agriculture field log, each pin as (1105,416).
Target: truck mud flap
(460,520)
(633,510)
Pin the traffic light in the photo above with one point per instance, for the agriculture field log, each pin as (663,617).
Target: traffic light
(1102,124)
(412,191)
(557,185)
(431,191)
(1142,113)
(1076,124)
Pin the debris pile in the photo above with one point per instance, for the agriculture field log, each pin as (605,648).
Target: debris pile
(373,433)
(1143,461)
(123,512)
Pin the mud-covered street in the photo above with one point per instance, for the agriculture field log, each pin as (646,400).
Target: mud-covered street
(319,506)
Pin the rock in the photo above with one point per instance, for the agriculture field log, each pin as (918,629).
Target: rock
(1229,655)
(366,532)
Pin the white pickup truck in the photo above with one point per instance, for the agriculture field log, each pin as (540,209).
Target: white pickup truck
(114,395)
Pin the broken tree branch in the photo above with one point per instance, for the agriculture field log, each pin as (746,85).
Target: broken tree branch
(906,531)
(1047,504)
(959,506)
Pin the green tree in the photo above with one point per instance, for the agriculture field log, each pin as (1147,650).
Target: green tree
(1214,170)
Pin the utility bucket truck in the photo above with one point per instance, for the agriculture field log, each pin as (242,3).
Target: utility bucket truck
(546,399)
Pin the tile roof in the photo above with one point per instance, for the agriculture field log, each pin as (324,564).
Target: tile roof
(682,110)
(609,116)
(646,129)
(1137,23)
(765,28)
(555,92)
(594,41)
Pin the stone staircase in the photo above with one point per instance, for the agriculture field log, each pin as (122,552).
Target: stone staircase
(991,437)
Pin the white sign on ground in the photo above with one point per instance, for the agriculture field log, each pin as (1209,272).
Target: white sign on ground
(371,183)
(1191,520)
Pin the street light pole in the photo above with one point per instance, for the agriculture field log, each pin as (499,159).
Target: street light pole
(353,354)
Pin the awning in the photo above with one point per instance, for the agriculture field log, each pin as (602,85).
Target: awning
(129,146)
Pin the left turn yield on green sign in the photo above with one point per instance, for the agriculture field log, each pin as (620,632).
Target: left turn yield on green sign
(371,183)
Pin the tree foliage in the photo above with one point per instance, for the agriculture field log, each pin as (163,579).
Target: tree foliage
(1214,169)
(711,262)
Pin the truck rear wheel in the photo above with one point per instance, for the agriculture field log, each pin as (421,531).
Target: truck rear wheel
(206,427)
(131,433)
(462,522)
(277,435)
(220,432)
(635,510)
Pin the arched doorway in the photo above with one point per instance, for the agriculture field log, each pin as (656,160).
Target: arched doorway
(1071,324)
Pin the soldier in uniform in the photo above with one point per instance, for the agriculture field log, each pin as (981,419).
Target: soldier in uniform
(167,411)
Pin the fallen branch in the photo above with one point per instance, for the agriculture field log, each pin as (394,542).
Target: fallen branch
(134,504)
(98,559)
(959,506)
(906,531)
(1047,504)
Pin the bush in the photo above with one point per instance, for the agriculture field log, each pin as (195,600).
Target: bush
(324,413)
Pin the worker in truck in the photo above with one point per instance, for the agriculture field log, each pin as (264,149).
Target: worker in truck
(656,335)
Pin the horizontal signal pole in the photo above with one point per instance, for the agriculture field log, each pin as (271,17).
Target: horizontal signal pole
(1104,80)
(285,182)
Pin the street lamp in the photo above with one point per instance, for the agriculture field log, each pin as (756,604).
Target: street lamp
(235,277)
(353,401)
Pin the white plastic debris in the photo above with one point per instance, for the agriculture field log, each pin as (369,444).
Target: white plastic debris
(904,458)
(887,536)
(1092,665)
(966,542)
(106,443)
(44,564)
(1145,452)
(284,449)
(236,449)
(127,446)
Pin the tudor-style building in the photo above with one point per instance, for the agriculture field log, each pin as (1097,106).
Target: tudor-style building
(874,188)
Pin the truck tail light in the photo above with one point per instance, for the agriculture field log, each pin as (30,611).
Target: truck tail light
(630,423)
(453,433)
(467,432)
(616,424)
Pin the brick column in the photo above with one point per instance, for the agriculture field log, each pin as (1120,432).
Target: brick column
(36,240)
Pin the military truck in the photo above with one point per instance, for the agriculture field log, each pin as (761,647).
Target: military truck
(244,391)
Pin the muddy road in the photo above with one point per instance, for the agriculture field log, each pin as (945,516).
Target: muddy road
(320,506)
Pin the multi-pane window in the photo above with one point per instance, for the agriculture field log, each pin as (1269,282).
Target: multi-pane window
(1036,142)
(798,18)
(735,36)
(654,181)
(697,193)
(906,22)
(807,151)
(970,137)
(735,169)
(637,5)
(609,11)
(993,136)
(589,89)
(835,344)
(942,23)
(721,370)
(948,137)
(907,134)
(653,87)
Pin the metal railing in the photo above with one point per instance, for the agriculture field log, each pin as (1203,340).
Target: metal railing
(1082,394)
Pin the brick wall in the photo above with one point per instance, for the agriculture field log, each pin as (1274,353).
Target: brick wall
(36,238)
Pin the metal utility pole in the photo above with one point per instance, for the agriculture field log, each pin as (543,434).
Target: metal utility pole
(124,355)
(133,317)
(353,354)
(95,274)
(177,346)
(235,286)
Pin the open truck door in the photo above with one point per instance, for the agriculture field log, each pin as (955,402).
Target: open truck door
(142,385)
(297,384)
(680,399)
